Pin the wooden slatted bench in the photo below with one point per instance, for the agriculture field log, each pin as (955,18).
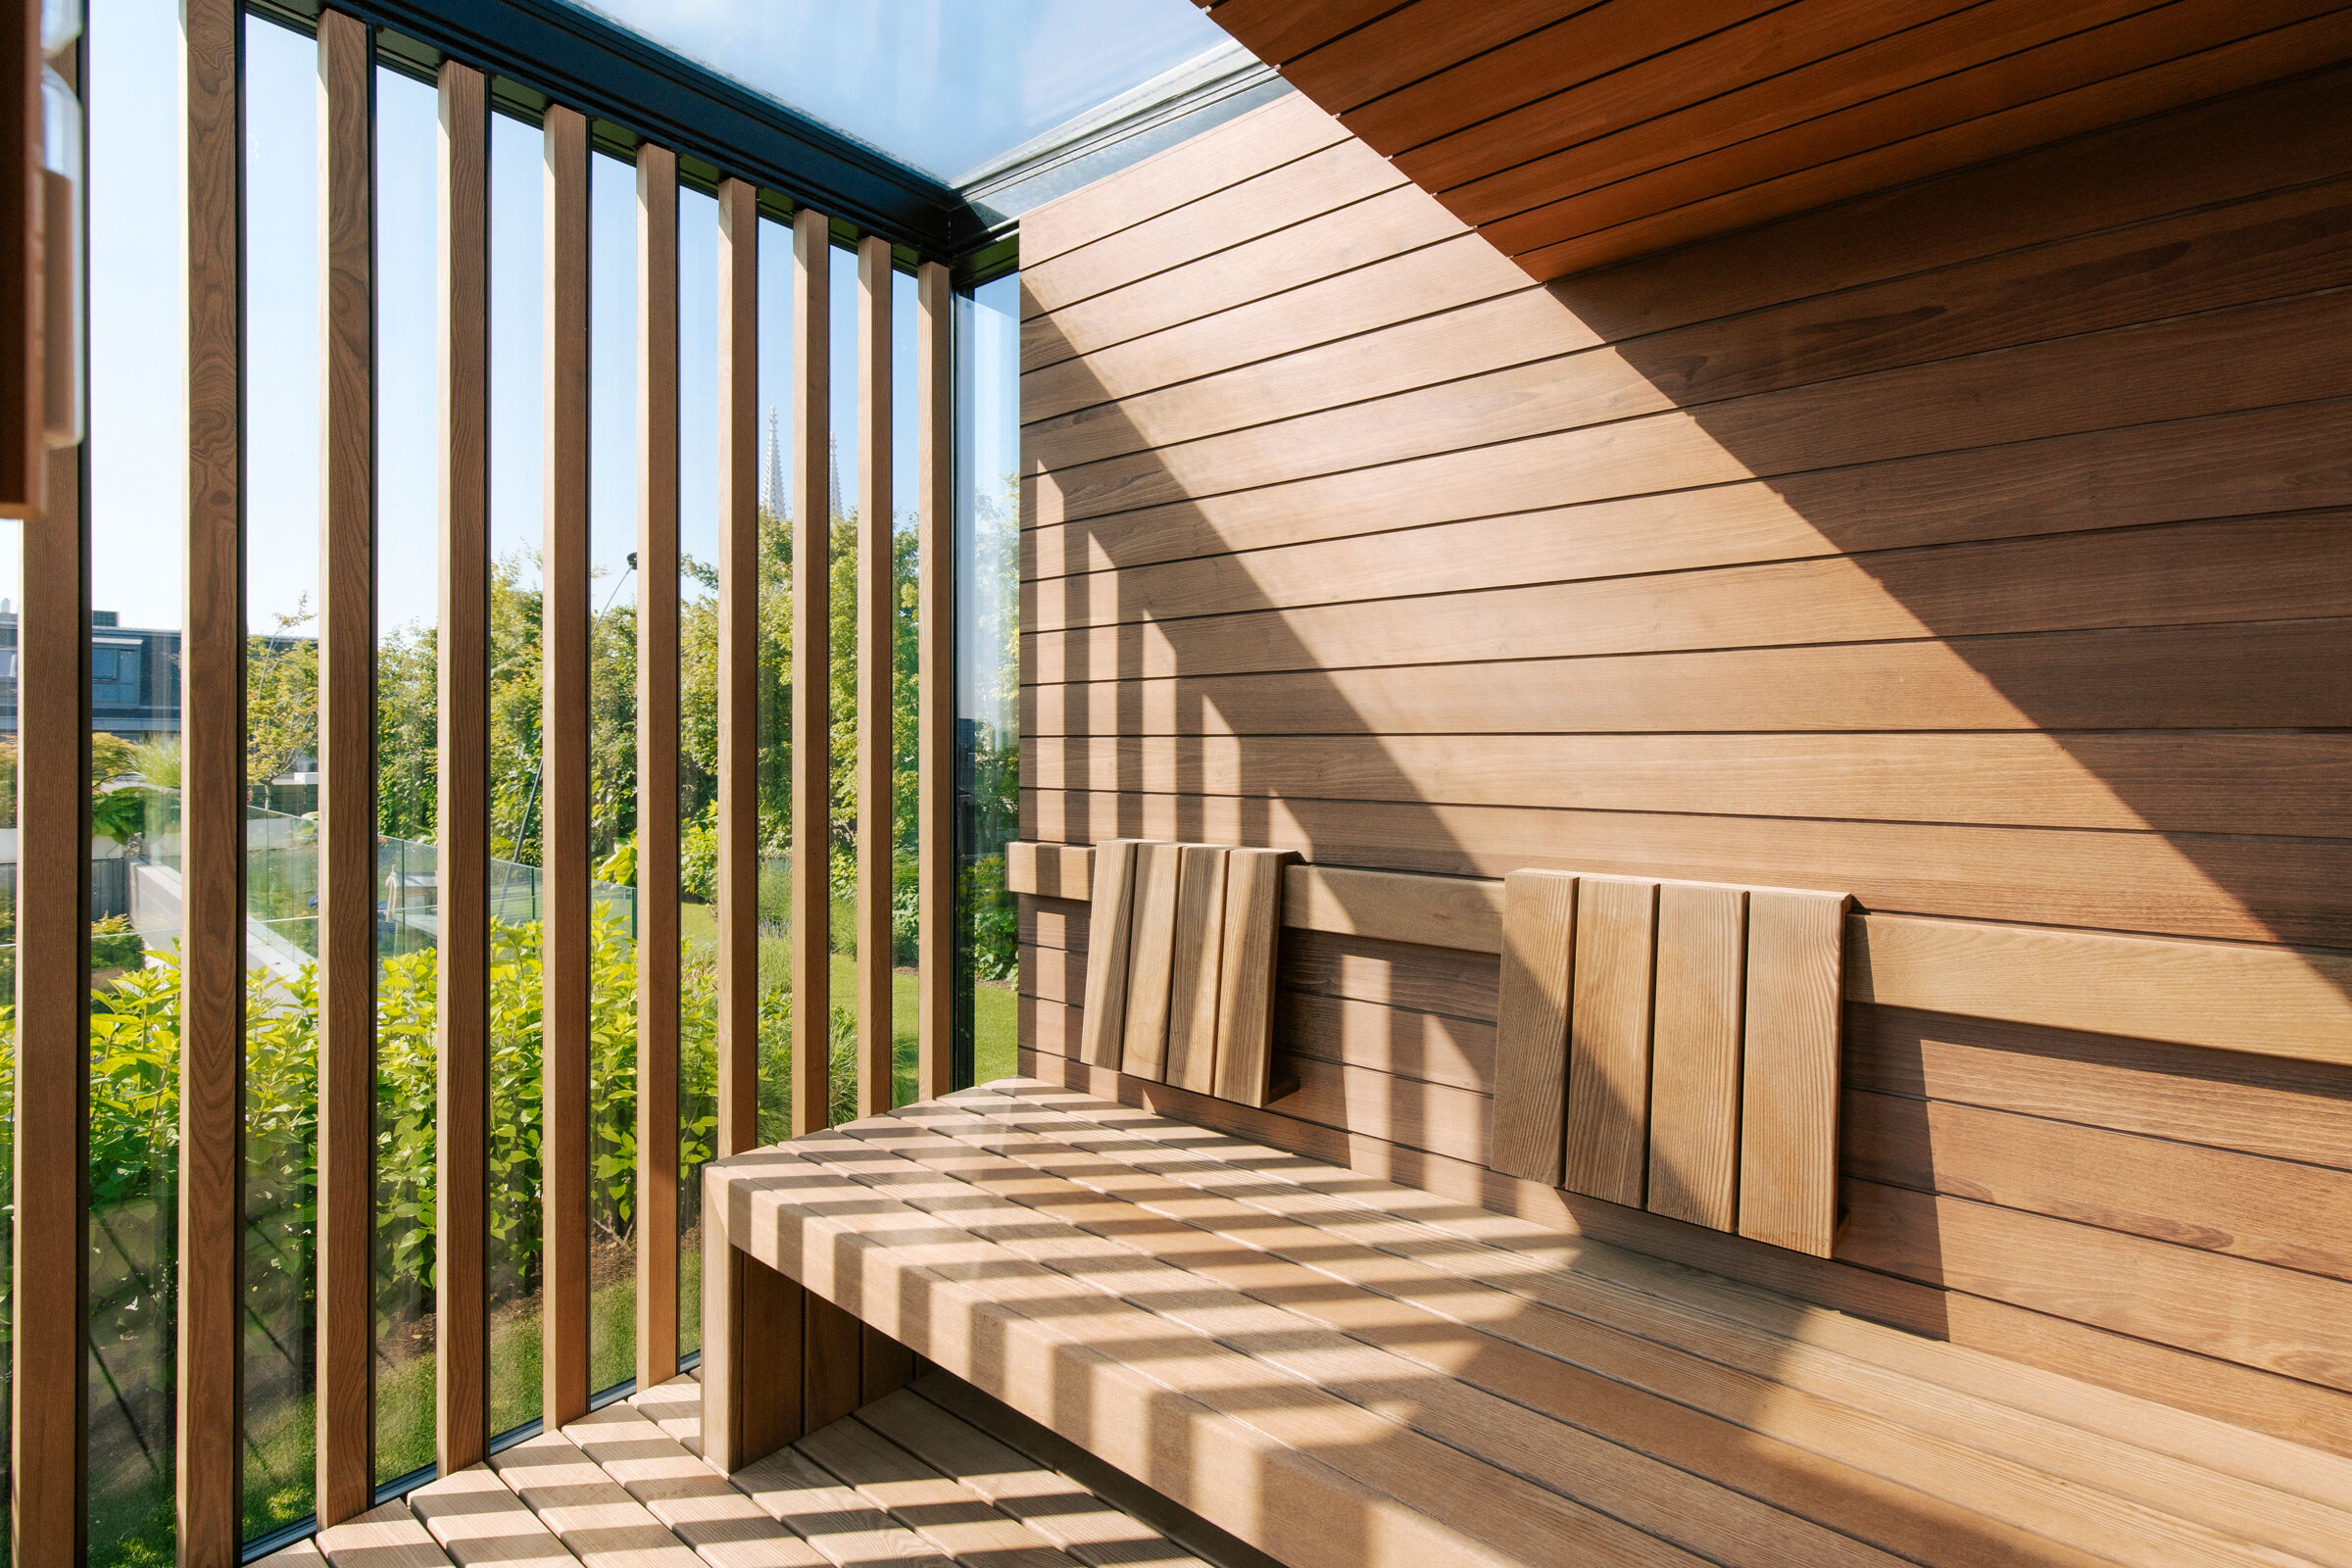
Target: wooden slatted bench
(1341,1371)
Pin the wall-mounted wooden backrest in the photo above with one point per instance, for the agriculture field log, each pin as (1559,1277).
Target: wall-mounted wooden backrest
(1673,1045)
(1183,990)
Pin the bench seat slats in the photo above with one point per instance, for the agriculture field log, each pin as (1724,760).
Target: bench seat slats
(1627,1416)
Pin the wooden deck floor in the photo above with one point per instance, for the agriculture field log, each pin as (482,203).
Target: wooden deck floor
(924,1477)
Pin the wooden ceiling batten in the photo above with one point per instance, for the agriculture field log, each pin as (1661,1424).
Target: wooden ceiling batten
(1576,136)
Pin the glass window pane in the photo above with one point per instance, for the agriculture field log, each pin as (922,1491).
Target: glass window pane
(698,737)
(843,505)
(613,763)
(281,706)
(987,675)
(138,427)
(517,477)
(407,773)
(776,683)
(906,666)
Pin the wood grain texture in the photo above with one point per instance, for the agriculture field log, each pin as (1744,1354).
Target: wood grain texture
(812,648)
(1790,1069)
(565,784)
(877,646)
(1608,1151)
(1254,906)
(658,713)
(1115,876)
(49,1327)
(1538,943)
(835,1351)
(752,1365)
(1694,1072)
(347,894)
(1190,1061)
(462,1014)
(208,1475)
(738,418)
(24,282)
(1151,960)
(935,690)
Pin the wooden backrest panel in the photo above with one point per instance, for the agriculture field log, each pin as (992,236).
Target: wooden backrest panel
(1114,911)
(1246,974)
(1694,1029)
(1151,960)
(1192,1047)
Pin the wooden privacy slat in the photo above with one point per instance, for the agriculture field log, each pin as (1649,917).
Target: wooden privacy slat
(1151,960)
(1530,1034)
(1608,1039)
(738,415)
(565,787)
(1192,1053)
(1789,1077)
(209,1473)
(462,1014)
(658,952)
(811,650)
(346,828)
(1115,875)
(1253,885)
(877,659)
(1694,1054)
(935,699)
(48,1448)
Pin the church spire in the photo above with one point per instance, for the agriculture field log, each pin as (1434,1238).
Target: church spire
(771,483)
(833,472)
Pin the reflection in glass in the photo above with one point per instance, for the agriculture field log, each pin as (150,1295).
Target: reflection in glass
(281,844)
(407,772)
(986,677)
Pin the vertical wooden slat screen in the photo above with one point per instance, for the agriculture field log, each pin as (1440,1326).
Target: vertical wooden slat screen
(21,348)
(210,1352)
(49,1448)
(347,895)
(812,656)
(934,681)
(1531,1029)
(877,623)
(461,1017)
(738,667)
(657,766)
(563,749)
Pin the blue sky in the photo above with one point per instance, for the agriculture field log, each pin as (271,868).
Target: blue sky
(139,417)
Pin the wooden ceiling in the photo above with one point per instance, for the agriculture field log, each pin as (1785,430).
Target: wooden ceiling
(1575,135)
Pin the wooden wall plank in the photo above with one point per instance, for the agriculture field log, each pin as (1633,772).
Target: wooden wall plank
(1115,879)
(877,657)
(658,714)
(1538,941)
(834,1345)
(462,1014)
(1151,960)
(1790,1069)
(935,699)
(738,916)
(565,783)
(1254,911)
(348,893)
(1695,1055)
(208,1475)
(812,648)
(49,1327)
(1190,1060)
(1608,1038)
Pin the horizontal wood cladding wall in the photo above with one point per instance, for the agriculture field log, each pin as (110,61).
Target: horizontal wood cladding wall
(1982,547)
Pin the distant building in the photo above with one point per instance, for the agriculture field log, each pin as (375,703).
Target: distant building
(134,676)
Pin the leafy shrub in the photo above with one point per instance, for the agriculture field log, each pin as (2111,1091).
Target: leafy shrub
(114,945)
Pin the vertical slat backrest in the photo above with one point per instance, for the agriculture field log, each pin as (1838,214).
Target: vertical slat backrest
(1151,960)
(657,976)
(1531,1032)
(1607,1142)
(877,643)
(564,786)
(1253,928)
(812,652)
(208,1475)
(347,837)
(1103,1028)
(1788,1107)
(1695,1054)
(462,1016)
(1190,1060)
